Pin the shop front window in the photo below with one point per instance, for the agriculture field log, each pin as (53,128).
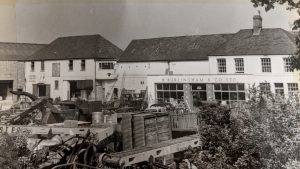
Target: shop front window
(168,92)
(231,93)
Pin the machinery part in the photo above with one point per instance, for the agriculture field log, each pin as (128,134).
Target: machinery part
(128,158)
(106,159)
(21,93)
(38,104)
(74,165)
(89,154)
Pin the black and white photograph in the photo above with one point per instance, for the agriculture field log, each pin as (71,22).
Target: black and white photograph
(149,84)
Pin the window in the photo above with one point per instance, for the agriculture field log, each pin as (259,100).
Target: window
(288,65)
(55,69)
(229,92)
(279,90)
(70,65)
(239,65)
(167,91)
(32,66)
(106,65)
(56,85)
(42,66)
(265,88)
(293,88)
(221,65)
(82,65)
(266,64)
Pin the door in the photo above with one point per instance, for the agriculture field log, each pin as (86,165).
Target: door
(35,90)
(42,90)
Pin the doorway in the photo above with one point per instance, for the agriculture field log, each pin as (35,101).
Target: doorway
(41,90)
(5,87)
(74,91)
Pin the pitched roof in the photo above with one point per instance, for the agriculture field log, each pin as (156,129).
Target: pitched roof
(173,48)
(17,51)
(78,47)
(273,41)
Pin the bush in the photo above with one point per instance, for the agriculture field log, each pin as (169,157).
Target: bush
(259,134)
(12,147)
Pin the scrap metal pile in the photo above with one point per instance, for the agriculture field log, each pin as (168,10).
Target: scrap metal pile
(60,143)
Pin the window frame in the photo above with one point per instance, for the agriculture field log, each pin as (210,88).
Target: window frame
(168,89)
(287,64)
(71,65)
(32,66)
(110,65)
(83,65)
(221,64)
(239,65)
(266,65)
(293,88)
(279,90)
(56,85)
(42,66)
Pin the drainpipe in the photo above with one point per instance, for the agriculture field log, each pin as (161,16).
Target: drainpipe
(95,82)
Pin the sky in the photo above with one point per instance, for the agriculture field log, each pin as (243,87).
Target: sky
(120,21)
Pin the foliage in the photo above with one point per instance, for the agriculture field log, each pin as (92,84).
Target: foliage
(291,5)
(12,148)
(259,134)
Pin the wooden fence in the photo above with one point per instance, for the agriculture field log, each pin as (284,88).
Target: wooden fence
(184,121)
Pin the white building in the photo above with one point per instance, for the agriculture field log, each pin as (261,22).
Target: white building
(210,67)
(73,67)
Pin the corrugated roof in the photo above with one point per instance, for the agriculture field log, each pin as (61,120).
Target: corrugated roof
(78,47)
(173,48)
(273,41)
(17,51)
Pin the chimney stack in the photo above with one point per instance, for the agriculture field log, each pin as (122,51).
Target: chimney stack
(257,23)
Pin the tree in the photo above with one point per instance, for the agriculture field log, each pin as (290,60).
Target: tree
(291,5)
(259,134)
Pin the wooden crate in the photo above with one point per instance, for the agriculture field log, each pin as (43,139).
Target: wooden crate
(150,128)
(126,126)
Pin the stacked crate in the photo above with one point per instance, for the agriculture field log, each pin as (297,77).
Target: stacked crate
(164,131)
(150,128)
(126,126)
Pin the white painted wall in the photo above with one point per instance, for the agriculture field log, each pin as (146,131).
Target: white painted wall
(106,73)
(133,75)
(252,64)
(65,74)
(136,73)
(190,67)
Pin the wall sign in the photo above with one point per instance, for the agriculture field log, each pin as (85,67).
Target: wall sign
(198,80)
(32,78)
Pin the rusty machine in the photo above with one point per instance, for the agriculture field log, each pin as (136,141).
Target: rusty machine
(131,139)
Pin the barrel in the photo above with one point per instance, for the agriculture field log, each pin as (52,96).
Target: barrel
(97,117)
